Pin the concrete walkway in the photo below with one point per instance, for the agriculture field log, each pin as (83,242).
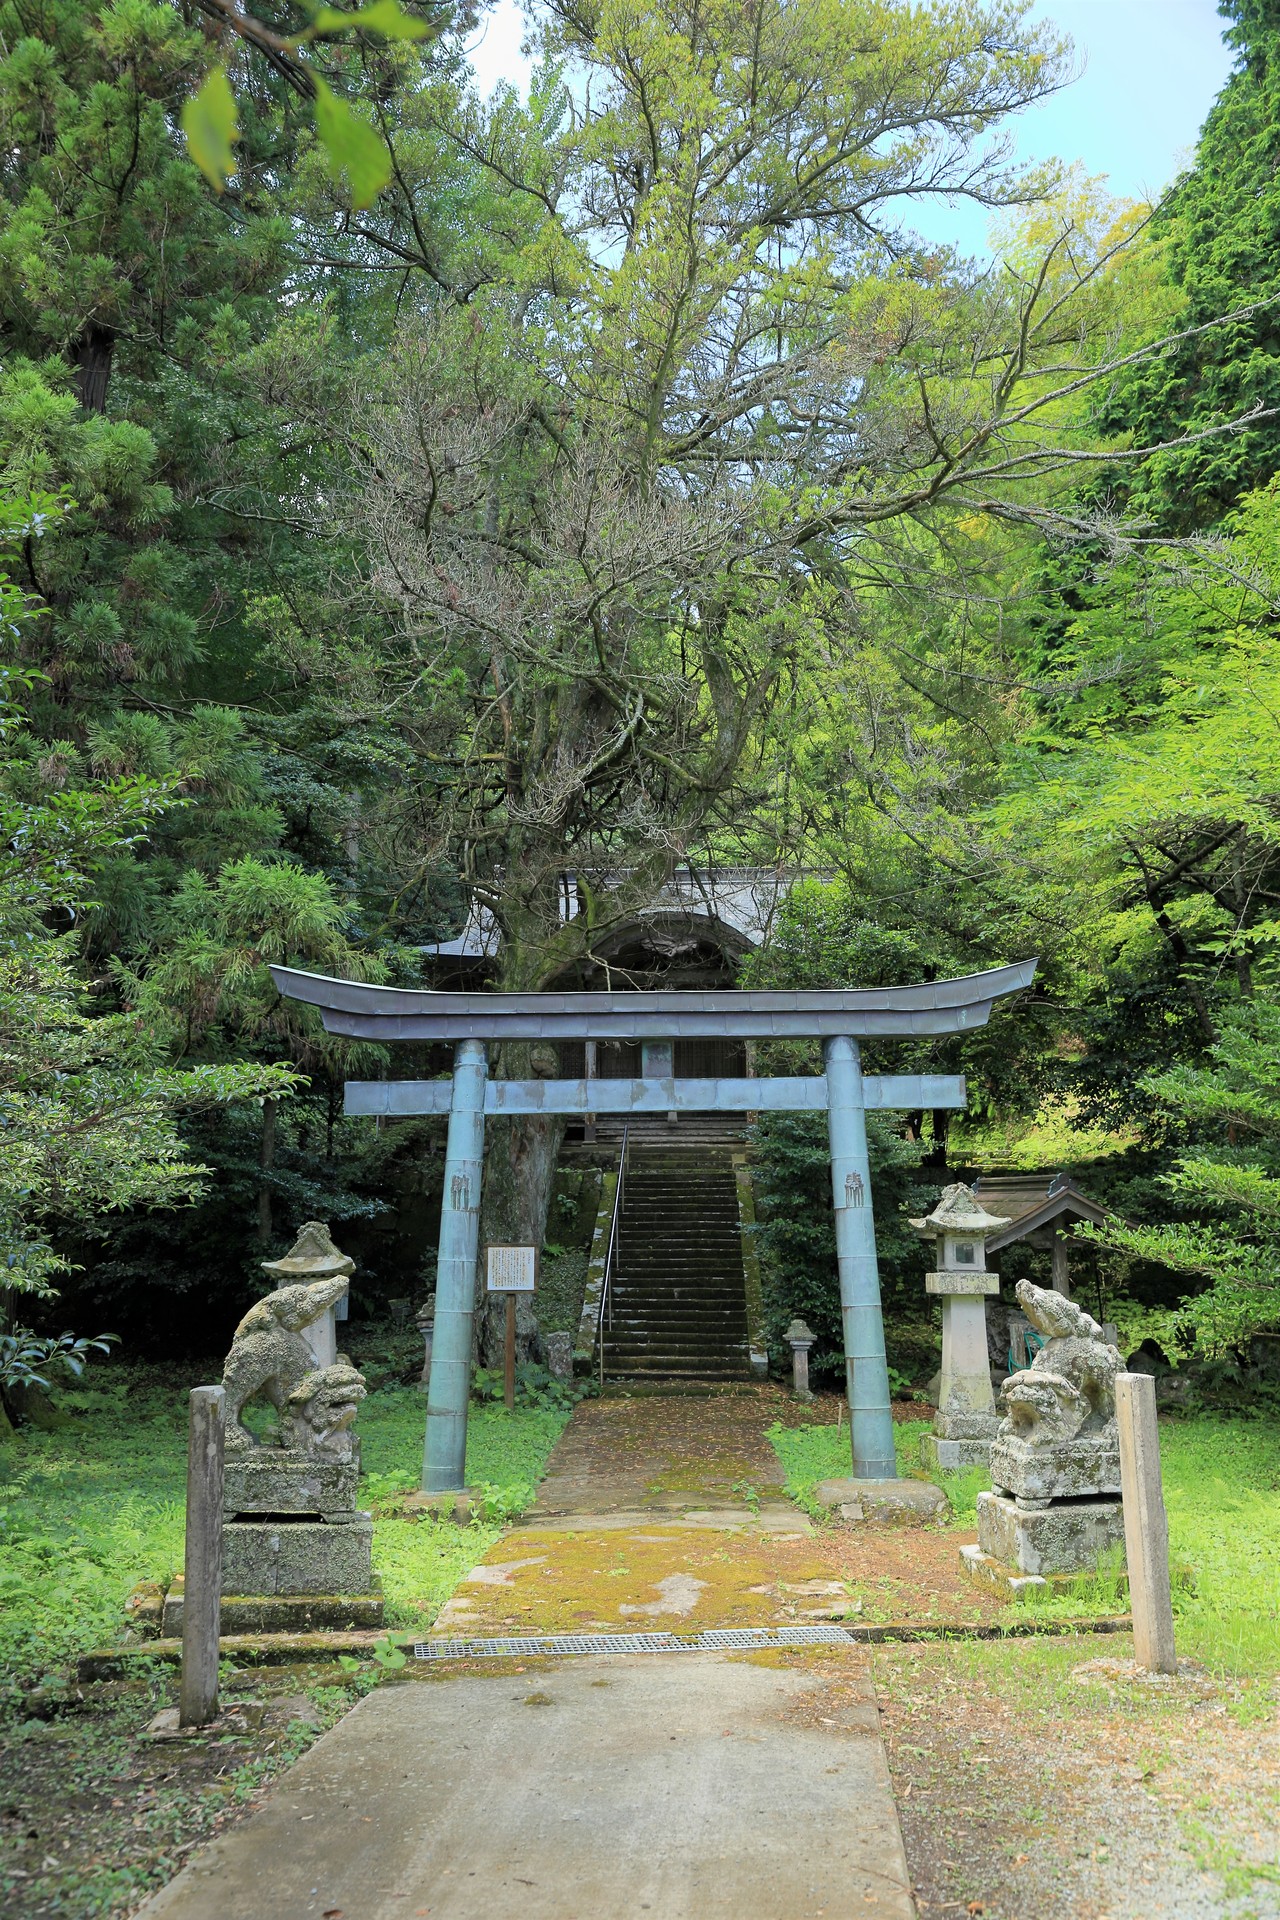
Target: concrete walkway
(688,1787)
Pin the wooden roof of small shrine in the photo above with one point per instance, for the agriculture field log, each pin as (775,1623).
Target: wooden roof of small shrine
(1035,1204)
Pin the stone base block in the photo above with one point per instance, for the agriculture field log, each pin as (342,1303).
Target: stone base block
(1009,1582)
(960,1421)
(942,1455)
(463,1505)
(285,1612)
(1079,1469)
(897,1502)
(297,1556)
(276,1480)
(1071,1537)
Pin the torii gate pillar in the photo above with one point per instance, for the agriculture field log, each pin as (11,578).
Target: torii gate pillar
(444,1462)
(867,1369)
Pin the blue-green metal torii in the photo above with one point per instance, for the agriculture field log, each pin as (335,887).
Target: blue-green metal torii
(838,1016)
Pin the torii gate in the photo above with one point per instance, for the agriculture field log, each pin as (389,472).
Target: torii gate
(838,1016)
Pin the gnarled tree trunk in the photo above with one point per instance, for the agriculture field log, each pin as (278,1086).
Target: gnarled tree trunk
(519,1166)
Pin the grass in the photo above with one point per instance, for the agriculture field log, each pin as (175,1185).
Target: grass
(1222,1492)
(89,1511)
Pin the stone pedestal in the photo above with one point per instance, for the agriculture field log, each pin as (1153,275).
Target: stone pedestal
(284,1613)
(898,1502)
(298,1556)
(1070,1536)
(292,1534)
(280,1480)
(966,1421)
(1086,1467)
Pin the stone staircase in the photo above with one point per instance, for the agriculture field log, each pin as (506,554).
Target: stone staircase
(679,1291)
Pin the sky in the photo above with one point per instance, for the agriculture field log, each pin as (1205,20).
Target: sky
(1149,72)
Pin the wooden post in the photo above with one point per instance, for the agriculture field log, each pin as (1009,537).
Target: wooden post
(1146,1529)
(589,1069)
(1061,1265)
(202,1585)
(510,1355)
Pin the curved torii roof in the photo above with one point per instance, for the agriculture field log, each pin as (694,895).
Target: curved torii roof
(418,1013)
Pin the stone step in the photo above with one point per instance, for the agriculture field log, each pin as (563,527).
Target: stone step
(648,1355)
(723,1327)
(692,1233)
(722,1334)
(678,1302)
(659,1357)
(693,1298)
(661,1218)
(666,1369)
(696,1308)
(667,1280)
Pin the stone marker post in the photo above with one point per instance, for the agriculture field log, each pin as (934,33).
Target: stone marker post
(800,1339)
(1146,1528)
(202,1584)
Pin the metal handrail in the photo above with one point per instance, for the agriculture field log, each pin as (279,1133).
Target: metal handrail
(606,1296)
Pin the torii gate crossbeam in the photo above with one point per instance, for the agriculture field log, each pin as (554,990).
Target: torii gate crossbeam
(837,1016)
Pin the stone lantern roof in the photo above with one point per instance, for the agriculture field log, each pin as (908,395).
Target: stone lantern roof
(312,1256)
(959,1211)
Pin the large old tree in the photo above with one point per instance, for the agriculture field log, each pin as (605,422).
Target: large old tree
(678,396)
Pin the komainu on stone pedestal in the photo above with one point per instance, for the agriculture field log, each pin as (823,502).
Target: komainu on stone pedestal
(269,1357)
(297,1551)
(1058,1439)
(1055,1504)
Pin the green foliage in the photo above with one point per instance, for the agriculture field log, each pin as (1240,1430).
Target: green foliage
(352,147)
(535,1387)
(1217,233)
(28,1360)
(796,1230)
(212,127)
(87,1098)
(1229,1171)
(1224,1529)
(356,152)
(88,1512)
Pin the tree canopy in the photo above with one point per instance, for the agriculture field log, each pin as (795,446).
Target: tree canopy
(415,503)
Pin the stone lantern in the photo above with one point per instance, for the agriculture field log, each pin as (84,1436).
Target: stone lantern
(966,1421)
(800,1339)
(313,1256)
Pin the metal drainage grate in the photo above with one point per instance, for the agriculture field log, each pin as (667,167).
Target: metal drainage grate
(564,1643)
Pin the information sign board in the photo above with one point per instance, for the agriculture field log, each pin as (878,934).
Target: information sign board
(511,1269)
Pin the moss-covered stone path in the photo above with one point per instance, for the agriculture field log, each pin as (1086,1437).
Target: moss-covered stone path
(668,1512)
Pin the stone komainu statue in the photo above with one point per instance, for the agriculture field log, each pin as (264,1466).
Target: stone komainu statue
(1068,1392)
(321,1411)
(269,1359)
